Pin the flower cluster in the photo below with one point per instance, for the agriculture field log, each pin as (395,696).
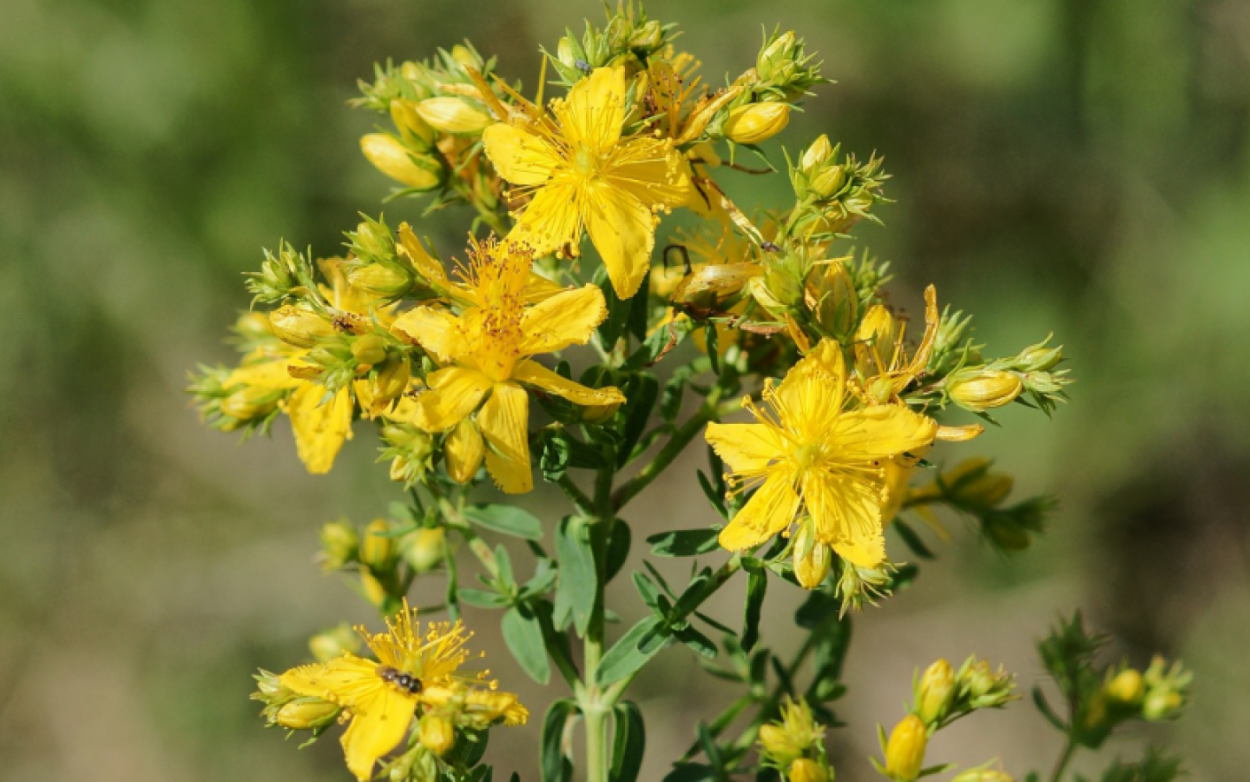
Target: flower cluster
(576,333)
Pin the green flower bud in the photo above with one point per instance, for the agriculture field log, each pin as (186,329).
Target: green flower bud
(935,692)
(813,559)
(776,61)
(453,115)
(437,733)
(807,770)
(339,544)
(385,280)
(377,549)
(299,326)
(649,37)
(307,714)
(369,349)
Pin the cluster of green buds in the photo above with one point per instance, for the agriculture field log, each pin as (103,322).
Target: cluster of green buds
(783,69)
(939,697)
(794,745)
(1029,377)
(857,585)
(834,191)
(973,488)
(762,96)
(628,37)
(386,555)
(1102,699)
(288,710)
(231,406)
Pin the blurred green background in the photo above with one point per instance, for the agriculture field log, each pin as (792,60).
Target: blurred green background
(1070,165)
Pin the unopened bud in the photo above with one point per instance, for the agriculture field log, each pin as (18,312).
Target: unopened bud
(981,390)
(648,37)
(249,403)
(1039,358)
(775,61)
(828,182)
(424,549)
(438,735)
(327,645)
(369,349)
(466,57)
(377,550)
(386,280)
(777,743)
(397,162)
(983,775)
(1162,705)
(1127,687)
(299,326)
(832,299)
(756,122)
(415,130)
(935,692)
(339,544)
(390,381)
(813,559)
(816,154)
(807,770)
(566,53)
(453,115)
(307,714)
(904,753)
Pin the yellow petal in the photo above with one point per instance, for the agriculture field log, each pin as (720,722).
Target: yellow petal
(464,452)
(847,515)
(650,170)
(520,157)
(622,229)
(270,374)
(535,374)
(454,393)
(539,288)
(504,420)
(880,432)
(379,723)
(594,109)
(425,265)
(769,511)
(567,318)
(435,330)
(320,429)
(551,220)
(744,447)
(344,678)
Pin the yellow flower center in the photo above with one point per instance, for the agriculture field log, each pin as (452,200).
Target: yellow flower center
(586,162)
(807,454)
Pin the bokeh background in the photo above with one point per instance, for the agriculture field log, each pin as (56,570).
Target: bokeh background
(1070,165)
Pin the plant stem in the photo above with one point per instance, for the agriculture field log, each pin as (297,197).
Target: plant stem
(1068,751)
(671,450)
(578,497)
(595,704)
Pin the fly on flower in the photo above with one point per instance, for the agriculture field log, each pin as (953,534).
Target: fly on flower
(411,672)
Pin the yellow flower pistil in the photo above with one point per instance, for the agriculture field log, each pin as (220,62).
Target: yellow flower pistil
(583,173)
(485,355)
(813,453)
(382,695)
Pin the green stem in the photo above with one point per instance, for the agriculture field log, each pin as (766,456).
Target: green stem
(578,497)
(671,450)
(1068,751)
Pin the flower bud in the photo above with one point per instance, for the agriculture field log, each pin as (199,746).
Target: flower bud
(438,735)
(983,686)
(981,390)
(775,61)
(369,349)
(756,122)
(1126,687)
(375,590)
(816,154)
(828,182)
(935,692)
(329,644)
(566,52)
(1162,705)
(807,770)
(377,550)
(393,159)
(425,548)
(777,743)
(904,753)
(813,559)
(453,115)
(307,714)
(339,544)
(1039,358)
(299,326)
(249,403)
(415,130)
(983,775)
(466,57)
(832,299)
(386,280)
(390,382)
(648,37)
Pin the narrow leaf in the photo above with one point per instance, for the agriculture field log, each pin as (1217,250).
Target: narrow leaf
(757,585)
(628,744)
(506,519)
(524,636)
(575,589)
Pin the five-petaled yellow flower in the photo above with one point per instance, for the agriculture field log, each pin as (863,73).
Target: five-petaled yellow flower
(485,354)
(583,173)
(813,452)
(410,672)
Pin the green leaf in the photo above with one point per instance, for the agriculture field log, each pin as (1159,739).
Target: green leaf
(684,542)
(713,346)
(613,326)
(638,306)
(482,598)
(757,585)
(659,343)
(625,657)
(912,540)
(640,393)
(555,766)
(524,637)
(717,499)
(628,744)
(697,641)
(619,541)
(561,450)
(578,582)
(691,772)
(506,519)
(647,589)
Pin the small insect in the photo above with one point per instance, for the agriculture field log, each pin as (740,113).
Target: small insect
(582,66)
(410,683)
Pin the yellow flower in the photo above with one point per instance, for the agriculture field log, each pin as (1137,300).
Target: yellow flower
(582,173)
(485,355)
(881,357)
(382,695)
(813,453)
